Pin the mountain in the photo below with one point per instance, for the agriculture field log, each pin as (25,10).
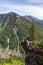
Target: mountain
(39,24)
(11,23)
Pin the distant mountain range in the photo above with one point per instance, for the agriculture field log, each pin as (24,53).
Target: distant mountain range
(9,21)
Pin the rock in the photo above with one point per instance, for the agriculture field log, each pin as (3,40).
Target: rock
(34,56)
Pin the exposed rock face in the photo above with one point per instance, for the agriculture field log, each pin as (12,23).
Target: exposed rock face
(34,56)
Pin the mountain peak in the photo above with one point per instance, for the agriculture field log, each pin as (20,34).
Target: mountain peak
(12,13)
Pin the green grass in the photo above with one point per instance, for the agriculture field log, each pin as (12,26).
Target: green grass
(12,61)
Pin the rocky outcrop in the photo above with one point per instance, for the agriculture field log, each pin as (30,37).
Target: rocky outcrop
(34,56)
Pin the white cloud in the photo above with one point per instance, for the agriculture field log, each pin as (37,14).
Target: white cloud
(34,1)
(23,10)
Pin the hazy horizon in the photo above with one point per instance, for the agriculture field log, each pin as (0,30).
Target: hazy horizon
(23,7)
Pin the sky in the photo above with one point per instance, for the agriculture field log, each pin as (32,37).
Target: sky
(23,7)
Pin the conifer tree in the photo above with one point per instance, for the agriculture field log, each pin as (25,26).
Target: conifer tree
(33,32)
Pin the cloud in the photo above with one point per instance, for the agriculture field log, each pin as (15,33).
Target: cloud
(23,10)
(34,1)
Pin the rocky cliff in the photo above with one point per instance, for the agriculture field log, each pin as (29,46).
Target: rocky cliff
(34,55)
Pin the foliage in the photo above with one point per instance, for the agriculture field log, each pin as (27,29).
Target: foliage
(12,61)
(41,44)
(33,32)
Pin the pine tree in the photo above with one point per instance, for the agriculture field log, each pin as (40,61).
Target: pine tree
(33,32)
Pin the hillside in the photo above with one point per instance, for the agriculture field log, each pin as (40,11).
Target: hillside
(21,24)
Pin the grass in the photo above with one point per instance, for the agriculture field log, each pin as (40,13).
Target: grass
(13,61)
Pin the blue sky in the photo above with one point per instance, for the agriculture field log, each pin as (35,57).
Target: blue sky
(23,7)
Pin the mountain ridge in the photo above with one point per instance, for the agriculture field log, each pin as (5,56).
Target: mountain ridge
(10,20)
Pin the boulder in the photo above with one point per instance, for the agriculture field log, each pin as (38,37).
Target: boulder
(34,55)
